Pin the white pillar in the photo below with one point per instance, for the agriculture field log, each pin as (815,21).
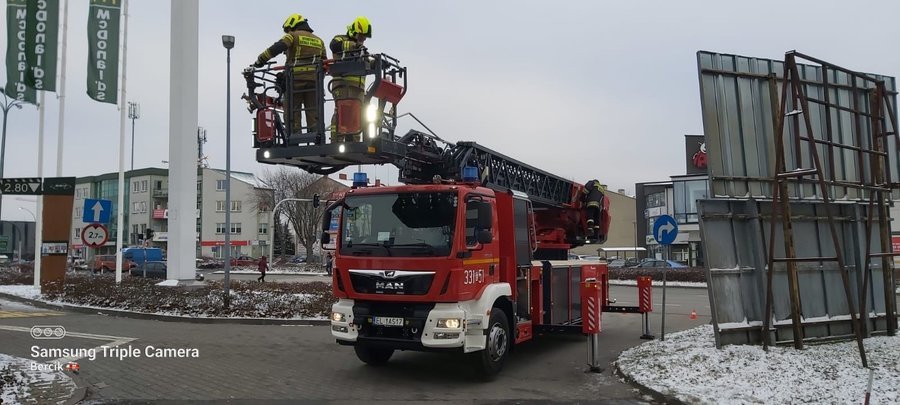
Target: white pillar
(61,91)
(39,215)
(183,100)
(120,195)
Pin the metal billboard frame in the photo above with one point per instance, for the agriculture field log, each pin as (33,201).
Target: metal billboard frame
(796,136)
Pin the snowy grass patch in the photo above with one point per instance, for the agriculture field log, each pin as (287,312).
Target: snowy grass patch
(21,385)
(689,367)
(311,300)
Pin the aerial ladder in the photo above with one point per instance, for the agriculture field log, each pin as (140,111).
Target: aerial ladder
(484,265)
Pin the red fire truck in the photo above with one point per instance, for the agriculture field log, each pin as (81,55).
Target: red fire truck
(469,255)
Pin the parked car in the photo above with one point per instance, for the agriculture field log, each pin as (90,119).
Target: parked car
(592,258)
(632,261)
(104,263)
(661,263)
(156,269)
(243,261)
(617,264)
(298,259)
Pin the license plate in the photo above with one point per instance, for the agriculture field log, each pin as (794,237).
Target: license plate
(387,321)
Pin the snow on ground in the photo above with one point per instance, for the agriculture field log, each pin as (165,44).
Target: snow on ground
(19,384)
(688,366)
(659,283)
(25,291)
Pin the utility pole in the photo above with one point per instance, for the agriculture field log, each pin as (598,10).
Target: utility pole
(134,112)
(201,140)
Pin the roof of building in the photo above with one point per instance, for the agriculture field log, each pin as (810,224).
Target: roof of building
(245,177)
(147,171)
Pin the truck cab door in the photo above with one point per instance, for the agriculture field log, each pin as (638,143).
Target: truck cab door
(481,252)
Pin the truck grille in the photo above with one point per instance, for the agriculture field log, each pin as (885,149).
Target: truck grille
(391,282)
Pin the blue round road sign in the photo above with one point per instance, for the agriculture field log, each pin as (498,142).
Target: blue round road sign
(665,230)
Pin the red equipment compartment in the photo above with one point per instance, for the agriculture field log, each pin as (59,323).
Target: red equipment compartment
(265,119)
(389,91)
(348,116)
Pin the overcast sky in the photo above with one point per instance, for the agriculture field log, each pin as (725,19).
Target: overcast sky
(583,89)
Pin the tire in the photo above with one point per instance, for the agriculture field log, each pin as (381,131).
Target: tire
(489,362)
(373,356)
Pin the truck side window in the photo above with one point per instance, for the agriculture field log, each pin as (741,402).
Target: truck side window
(471,222)
(478,219)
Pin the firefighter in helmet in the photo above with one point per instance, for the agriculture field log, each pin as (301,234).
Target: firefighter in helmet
(303,50)
(592,197)
(348,46)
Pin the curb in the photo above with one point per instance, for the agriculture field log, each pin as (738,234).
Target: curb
(165,318)
(80,392)
(667,399)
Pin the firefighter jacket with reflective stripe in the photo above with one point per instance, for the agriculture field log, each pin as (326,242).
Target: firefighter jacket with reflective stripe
(303,49)
(593,193)
(343,46)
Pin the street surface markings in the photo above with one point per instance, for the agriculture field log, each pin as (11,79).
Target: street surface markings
(23,314)
(114,341)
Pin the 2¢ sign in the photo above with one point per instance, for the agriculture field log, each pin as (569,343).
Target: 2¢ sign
(94,235)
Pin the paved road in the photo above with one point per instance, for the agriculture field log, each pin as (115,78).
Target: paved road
(256,362)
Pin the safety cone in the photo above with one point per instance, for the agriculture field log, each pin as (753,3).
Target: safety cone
(693,314)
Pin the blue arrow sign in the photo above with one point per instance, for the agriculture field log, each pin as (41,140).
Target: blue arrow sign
(665,230)
(96,211)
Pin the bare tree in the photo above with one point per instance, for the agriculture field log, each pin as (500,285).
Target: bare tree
(305,220)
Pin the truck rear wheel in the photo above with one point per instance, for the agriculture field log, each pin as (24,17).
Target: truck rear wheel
(373,356)
(489,361)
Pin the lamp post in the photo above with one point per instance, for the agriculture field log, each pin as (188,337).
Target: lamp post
(8,104)
(228,43)
(134,112)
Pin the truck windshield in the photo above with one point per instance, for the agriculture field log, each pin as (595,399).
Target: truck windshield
(400,224)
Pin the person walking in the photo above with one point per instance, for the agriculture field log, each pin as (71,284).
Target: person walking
(329,263)
(263,267)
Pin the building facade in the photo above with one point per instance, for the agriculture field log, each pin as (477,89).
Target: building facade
(250,228)
(676,197)
(17,240)
(146,204)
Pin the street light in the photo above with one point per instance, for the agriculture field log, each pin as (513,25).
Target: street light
(8,104)
(134,112)
(228,43)
(30,212)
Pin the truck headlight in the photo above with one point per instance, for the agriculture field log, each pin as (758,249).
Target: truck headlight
(452,323)
(337,317)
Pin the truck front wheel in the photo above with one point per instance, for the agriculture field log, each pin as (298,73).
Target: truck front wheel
(489,361)
(373,356)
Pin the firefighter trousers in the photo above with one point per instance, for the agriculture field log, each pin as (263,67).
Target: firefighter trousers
(303,100)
